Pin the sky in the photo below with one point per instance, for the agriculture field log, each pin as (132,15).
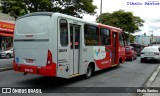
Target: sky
(149,13)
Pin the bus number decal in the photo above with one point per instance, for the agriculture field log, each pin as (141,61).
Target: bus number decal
(62,50)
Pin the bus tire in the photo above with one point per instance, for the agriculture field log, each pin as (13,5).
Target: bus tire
(89,72)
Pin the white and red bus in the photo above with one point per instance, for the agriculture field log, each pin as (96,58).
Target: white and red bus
(54,44)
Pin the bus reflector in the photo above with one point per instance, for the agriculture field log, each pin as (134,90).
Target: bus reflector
(49,58)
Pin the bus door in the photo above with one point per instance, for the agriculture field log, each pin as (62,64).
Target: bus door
(114,47)
(74,48)
(63,66)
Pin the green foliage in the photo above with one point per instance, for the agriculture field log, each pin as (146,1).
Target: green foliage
(121,19)
(124,20)
(14,7)
(130,37)
(76,8)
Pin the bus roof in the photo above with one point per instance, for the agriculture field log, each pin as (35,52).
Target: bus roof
(67,16)
(36,13)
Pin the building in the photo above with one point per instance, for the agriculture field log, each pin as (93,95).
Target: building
(156,40)
(143,40)
(147,40)
(7,24)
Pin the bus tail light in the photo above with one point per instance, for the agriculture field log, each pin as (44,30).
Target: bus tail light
(49,58)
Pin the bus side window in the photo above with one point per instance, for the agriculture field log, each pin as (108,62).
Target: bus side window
(90,35)
(63,32)
(121,40)
(104,36)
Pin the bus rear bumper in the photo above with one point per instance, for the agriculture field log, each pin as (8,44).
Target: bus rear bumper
(49,70)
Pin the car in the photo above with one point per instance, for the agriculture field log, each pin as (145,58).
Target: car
(7,53)
(137,47)
(131,54)
(150,53)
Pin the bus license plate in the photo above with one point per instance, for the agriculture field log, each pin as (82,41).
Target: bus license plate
(29,60)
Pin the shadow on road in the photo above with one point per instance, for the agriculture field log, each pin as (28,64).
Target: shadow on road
(55,84)
(151,62)
(58,82)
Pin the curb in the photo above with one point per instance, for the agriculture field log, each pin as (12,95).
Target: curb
(6,69)
(150,80)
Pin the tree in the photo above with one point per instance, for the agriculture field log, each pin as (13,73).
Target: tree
(75,8)
(124,20)
(131,37)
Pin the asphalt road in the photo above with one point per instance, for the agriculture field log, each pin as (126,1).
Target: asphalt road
(130,74)
(6,62)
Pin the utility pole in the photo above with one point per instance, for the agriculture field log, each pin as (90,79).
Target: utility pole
(101,8)
(151,36)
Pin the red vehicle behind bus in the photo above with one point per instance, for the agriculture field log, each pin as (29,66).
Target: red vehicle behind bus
(131,54)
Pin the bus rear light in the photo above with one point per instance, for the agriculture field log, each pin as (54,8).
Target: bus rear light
(49,58)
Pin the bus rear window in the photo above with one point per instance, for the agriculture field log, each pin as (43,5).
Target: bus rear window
(33,24)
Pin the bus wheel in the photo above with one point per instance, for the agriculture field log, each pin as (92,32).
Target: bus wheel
(89,71)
